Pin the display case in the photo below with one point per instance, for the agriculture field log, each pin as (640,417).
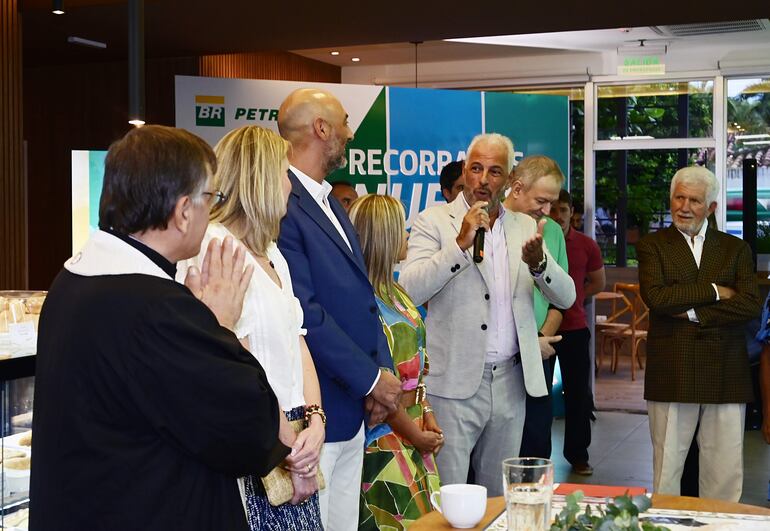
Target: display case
(19,313)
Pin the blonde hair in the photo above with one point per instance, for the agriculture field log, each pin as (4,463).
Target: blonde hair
(251,160)
(534,167)
(380,223)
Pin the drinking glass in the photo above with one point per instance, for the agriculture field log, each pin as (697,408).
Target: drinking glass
(528,487)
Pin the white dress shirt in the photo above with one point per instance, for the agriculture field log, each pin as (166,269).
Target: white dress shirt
(695,243)
(320,192)
(502,339)
(271,319)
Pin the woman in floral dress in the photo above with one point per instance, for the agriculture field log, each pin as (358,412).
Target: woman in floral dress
(399,471)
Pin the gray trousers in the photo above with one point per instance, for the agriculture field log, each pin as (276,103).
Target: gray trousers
(485,428)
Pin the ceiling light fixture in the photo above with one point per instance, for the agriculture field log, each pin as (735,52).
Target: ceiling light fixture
(355,59)
(86,42)
(335,53)
(416,44)
(750,137)
(58,8)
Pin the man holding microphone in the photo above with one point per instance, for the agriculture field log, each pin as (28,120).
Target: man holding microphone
(481,331)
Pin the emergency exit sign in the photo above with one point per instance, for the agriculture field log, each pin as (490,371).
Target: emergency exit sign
(642,65)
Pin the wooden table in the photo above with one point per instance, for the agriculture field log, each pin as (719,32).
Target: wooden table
(434,520)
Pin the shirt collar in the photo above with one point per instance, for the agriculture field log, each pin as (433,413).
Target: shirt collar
(701,233)
(319,191)
(157,258)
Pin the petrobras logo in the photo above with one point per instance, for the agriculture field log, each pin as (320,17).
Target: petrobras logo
(209,111)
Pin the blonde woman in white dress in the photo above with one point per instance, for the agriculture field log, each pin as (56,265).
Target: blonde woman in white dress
(252,177)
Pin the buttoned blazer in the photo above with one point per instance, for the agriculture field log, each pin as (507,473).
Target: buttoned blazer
(457,290)
(704,362)
(344,332)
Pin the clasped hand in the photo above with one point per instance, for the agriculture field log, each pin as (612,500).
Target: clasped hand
(532,250)
(222,280)
(384,399)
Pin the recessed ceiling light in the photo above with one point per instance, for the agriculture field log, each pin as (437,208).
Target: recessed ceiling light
(355,59)
(335,52)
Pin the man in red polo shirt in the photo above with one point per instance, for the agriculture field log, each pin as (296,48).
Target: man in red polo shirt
(587,271)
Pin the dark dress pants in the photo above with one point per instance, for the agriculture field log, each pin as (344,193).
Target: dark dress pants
(575,363)
(536,438)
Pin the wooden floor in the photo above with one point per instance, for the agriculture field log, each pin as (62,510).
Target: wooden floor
(616,392)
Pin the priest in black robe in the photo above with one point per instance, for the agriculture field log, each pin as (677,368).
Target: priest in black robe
(147,408)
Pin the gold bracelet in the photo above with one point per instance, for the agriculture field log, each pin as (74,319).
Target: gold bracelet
(314,409)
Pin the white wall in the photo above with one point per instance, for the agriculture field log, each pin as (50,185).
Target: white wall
(569,67)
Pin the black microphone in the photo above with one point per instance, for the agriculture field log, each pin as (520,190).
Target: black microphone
(478,245)
(478,240)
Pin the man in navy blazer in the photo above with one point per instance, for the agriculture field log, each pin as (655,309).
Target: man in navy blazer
(344,332)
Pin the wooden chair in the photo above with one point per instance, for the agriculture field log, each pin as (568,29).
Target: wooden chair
(620,314)
(635,332)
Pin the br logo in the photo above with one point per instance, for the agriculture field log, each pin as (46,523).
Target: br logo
(210,111)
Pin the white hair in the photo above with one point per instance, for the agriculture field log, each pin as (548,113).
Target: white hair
(697,175)
(494,138)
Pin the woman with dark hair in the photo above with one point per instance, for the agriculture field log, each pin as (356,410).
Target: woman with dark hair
(411,436)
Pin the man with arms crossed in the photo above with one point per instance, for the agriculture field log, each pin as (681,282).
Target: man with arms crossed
(344,332)
(537,181)
(700,286)
(481,330)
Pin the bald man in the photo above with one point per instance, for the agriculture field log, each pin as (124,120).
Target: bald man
(343,332)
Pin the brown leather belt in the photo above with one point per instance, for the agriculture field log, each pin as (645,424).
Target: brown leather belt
(415,396)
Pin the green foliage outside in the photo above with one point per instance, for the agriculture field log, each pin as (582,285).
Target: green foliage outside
(649,171)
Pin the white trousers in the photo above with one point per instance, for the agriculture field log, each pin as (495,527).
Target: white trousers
(341,464)
(720,445)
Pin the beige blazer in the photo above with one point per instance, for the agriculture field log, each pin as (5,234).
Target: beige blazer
(457,289)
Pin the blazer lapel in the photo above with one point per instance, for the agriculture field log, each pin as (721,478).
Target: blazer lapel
(457,212)
(308,204)
(710,259)
(680,254)
(513,241)
(350,232)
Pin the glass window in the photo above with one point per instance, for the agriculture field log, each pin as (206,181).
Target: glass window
(655,110)
(748,137)
(632,196)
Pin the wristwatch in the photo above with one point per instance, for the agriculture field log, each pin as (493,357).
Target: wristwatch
(540,266)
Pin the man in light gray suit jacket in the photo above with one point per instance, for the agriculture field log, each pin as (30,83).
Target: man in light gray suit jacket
(481,331)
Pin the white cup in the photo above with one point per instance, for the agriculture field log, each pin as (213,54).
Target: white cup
(463,505)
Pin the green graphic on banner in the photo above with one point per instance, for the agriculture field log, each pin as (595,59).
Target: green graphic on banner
(535,124)
(369,138)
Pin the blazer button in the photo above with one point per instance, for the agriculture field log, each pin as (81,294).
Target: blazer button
(547,280)
(486,296)
(483,327)
(374,353)
(373,309)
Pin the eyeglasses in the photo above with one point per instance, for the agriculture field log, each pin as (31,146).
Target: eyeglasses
(216,198)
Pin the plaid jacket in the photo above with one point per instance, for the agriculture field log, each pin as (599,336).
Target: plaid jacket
(705,362)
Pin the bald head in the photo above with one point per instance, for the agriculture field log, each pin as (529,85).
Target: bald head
(301,108)
(316,124)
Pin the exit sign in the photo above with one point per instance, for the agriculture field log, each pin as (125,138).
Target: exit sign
(642,65)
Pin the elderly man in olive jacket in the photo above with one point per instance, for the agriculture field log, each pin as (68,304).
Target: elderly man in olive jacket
(701,289)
